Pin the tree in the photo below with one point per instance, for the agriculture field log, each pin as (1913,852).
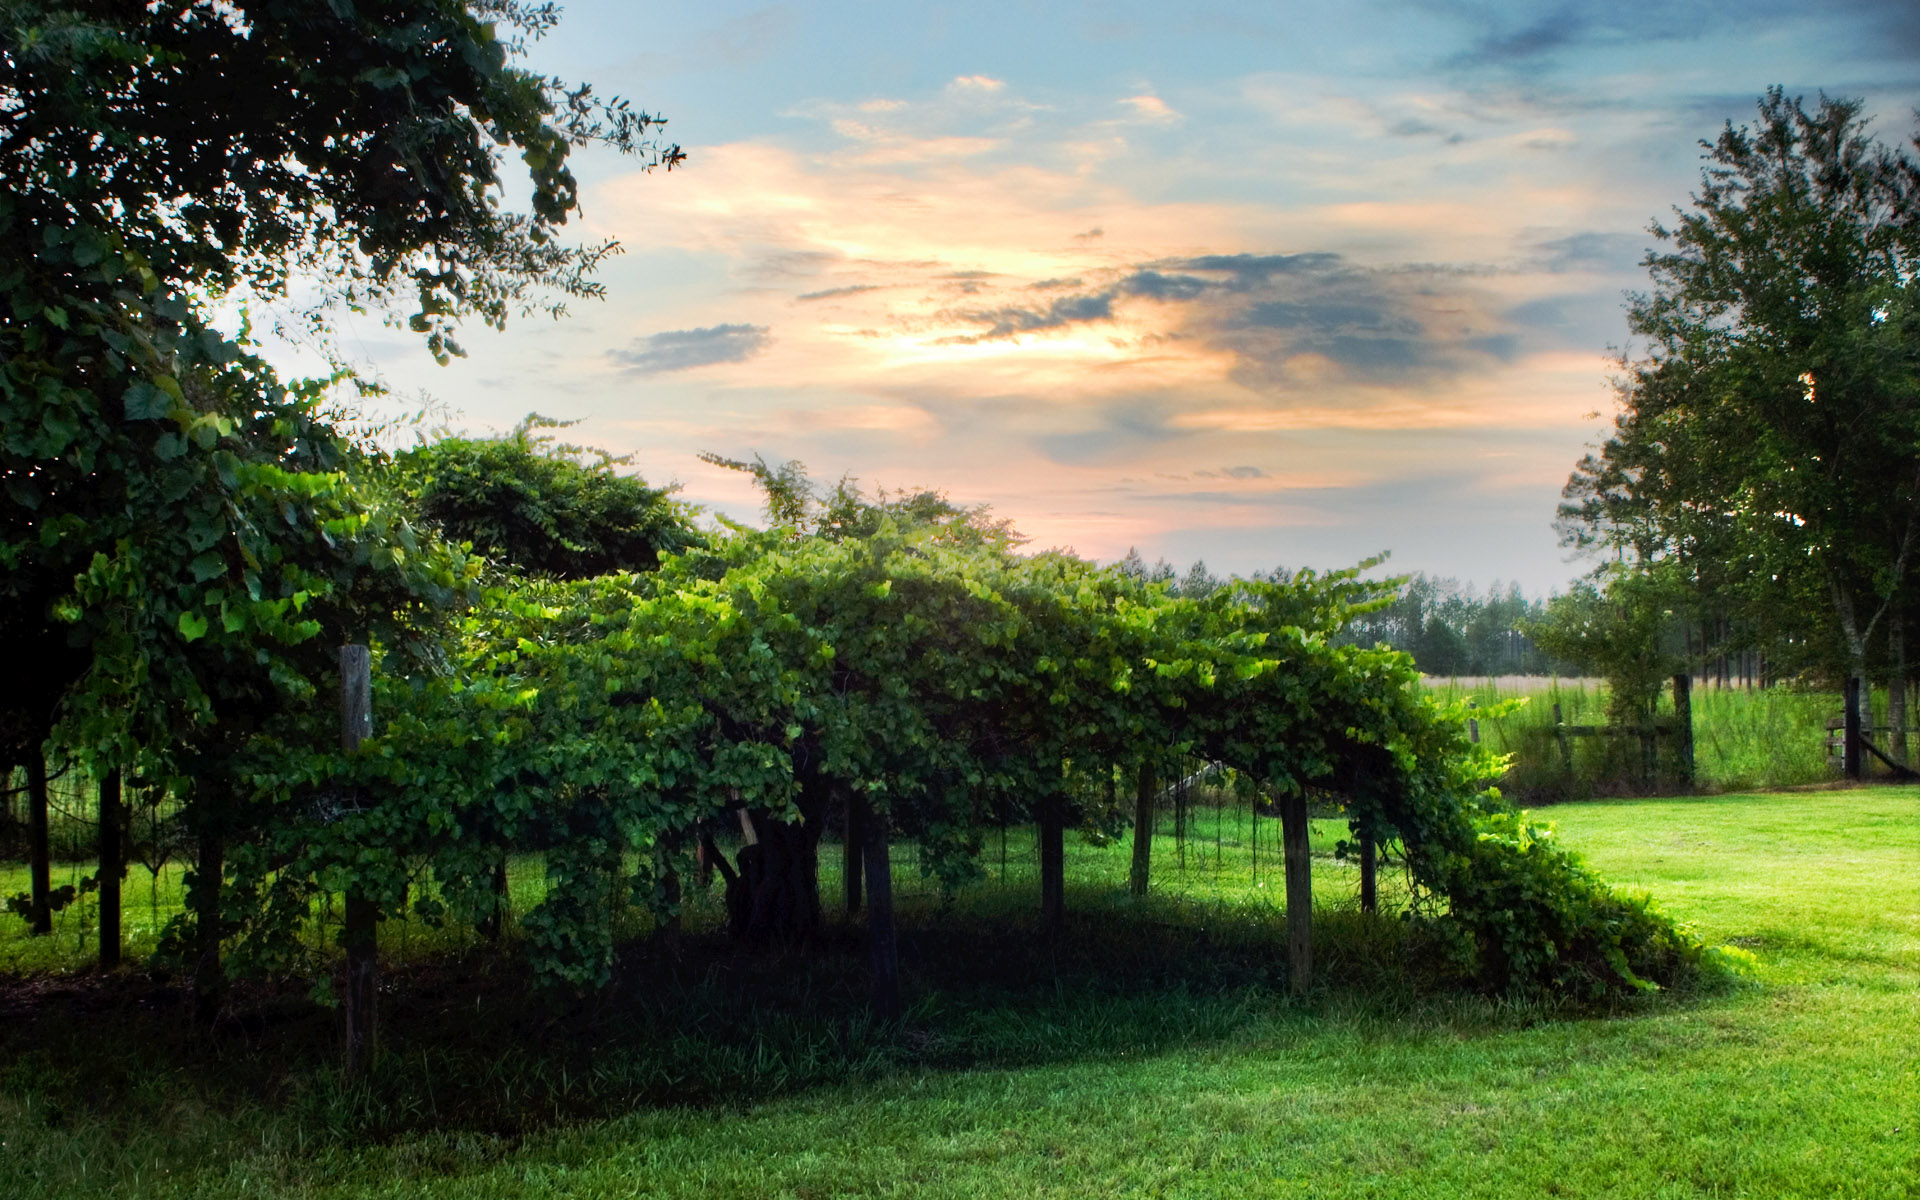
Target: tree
(1768,445)
(183,526)
(556,510)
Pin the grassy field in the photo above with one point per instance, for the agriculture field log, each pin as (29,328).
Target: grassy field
(1800,1082)
(1765,738)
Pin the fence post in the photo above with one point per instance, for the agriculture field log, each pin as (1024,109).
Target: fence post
(360,934)
(1299,863)
(852,860)
(1053,862)
(1850,748)
(1143,797)
(1560,736)
(112,864)
(882,943)
(1683,725)
(1369,874)
(39,853)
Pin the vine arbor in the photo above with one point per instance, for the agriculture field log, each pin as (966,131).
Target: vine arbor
(910,684)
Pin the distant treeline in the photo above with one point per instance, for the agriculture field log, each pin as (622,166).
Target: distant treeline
(1450,628)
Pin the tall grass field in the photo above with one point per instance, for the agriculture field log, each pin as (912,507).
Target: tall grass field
(1743,738)
(1146,1053)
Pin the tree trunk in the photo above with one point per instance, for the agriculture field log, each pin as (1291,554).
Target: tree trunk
(1143,798)
(1683,727)
(39,850)
(1299,862)
(360,934)
(1053,880)
(1850,747)
(1897,693)
(775,896)
(882,940)
(113,864)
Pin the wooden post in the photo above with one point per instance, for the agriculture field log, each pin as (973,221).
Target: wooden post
(1143,797)
(852,853)
(1369,875)
(112,866)
(882,941)
(1850,746)
(1683,726)
(495,922)
(39,853)
(1560,736)
(360,934)
(1299,860)
(1053,862)
(209,972)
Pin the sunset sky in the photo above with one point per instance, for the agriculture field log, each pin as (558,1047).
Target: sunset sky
(1261,284)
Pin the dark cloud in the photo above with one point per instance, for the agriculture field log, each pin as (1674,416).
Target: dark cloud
(1250,269)
(1410,127)
(1235,473)
(1591,251)
(1540,37)
(1156,286)
(1265,310)
(853,290)
(1012,319)
(1090,234)
(682,349)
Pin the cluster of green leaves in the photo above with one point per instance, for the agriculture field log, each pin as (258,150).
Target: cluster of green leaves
(528,504)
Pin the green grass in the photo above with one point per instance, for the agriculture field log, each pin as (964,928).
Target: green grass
(1799,1083)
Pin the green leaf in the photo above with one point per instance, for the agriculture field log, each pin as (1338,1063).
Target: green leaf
(193,626)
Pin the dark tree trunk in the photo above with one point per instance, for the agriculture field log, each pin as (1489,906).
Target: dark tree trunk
(1683,727)
(1299,862)
(113,864)
(1850,749)
(1897,693)
(39,850)
(1143,798)
(775,894)
(882,941)
(1053,862)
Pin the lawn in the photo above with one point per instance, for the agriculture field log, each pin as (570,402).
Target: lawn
(1800,1081)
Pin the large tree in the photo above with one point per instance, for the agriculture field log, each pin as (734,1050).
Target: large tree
(1769,435)
(178,531)
(1771,432)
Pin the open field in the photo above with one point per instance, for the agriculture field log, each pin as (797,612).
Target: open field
(1763,738)
(1798,1083)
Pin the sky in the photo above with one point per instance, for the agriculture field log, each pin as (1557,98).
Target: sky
(1262,285)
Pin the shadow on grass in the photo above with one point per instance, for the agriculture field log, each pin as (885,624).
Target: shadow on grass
(471,1047)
